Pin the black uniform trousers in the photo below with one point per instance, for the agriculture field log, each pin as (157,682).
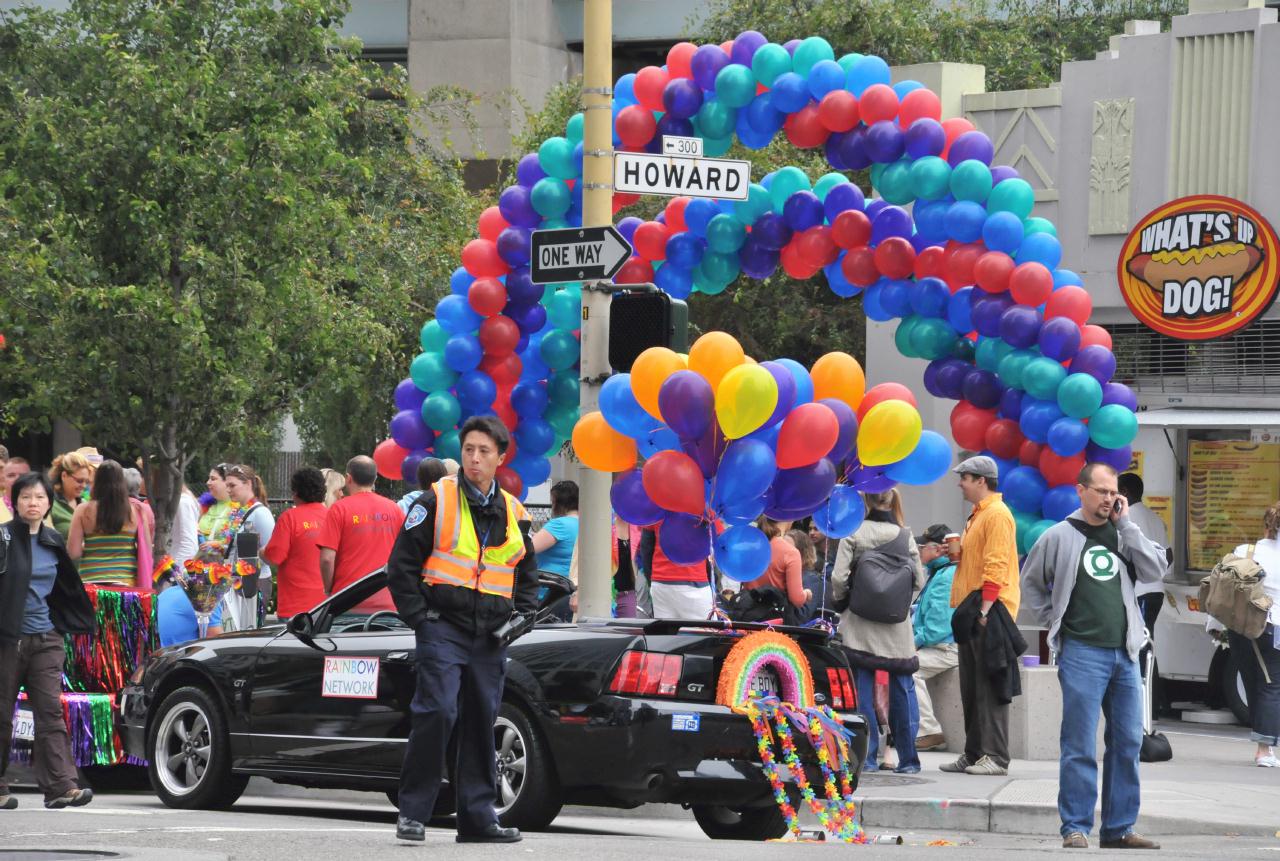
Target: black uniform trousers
(459,683)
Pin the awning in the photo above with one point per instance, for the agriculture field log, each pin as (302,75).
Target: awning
(1180,418)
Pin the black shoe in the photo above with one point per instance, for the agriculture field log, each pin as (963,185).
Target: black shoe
(410,829)
(495,833)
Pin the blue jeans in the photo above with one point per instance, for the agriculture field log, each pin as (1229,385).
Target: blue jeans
(904,714)
(1094,679)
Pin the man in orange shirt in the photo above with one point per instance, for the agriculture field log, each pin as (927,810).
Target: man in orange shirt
(988,564)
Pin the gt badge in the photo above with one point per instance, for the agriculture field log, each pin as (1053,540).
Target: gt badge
(417,514)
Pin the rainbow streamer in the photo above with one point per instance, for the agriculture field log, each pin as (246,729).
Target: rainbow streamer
(756,652)
(125,633)
(90,720)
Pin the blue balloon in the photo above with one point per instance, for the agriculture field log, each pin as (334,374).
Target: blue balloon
(867,71)
(685,249)
(1024,489)
(790,92)
(476,388)
(742,551)
(659,439)
(928,461)
(1059,502)
(1063,277)
(895,297)
(931,297)
(842,513)
(762,116)
(743,511)
(958,310)
(625,89)
(746,471)
(836,280)
(535,437)
(1041,248)
(931,221)
(463,353)
(621,409)
(1037,417)
(532,470)
(1068,436)
(965,220)
(1002,231)
(698,214)
(904,87)
(825,76)
(456,317)
(804,383)
(871,305)
(675,281)
(460,281)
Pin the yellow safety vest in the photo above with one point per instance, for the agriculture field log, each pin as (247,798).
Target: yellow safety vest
(456,559)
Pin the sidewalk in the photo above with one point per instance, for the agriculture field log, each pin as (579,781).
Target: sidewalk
(1211,786)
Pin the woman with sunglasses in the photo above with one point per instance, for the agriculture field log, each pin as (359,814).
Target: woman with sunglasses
(71,474)
(215,517)
(251,515)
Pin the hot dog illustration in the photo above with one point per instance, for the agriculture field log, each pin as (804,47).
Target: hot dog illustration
(1234,260)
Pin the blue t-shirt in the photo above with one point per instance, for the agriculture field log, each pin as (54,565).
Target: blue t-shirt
(177,619)
(44,570)
(556,558)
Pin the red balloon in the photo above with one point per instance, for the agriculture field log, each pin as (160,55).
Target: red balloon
(650,82)
(504,411)
(509,481)
(491,223)
(505,370)
(637,270)
(919,104)
(807,434)
(650,240)
(511,444)
(480,257)
(992,271)
(851,229)
(635,125)
(885,392)
(674,482)
(878,102)
(387,456)
(1091,334)
(961,260)
(794,263)
(1071,302)
(499,335)
(804,128)
(1030,284)
(969,426)
(1004,438)
(838,110)
(487,296)
(623,199)
(859,266)
(1057,469)
(954,127)
(931,263)
(674,213)
(895,257)
(816,247)
(1029,453)
(679,58)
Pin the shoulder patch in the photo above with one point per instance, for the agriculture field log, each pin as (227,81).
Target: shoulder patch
(417,514)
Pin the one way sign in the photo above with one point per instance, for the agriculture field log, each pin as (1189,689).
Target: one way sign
(577,254)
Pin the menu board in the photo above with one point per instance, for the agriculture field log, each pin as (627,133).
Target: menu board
(1229,485)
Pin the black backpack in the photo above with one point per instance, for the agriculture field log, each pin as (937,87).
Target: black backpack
(762,604)
(881,582)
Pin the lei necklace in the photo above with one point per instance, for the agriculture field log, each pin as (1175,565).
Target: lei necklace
(230,526)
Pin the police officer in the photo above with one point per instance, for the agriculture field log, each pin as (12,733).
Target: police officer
(461,564)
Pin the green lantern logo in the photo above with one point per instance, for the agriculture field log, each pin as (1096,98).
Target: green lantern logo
(1101,563)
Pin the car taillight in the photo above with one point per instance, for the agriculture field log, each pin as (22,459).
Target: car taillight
(647,673)
(842,692)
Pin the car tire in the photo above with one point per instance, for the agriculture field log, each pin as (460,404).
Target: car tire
(528,791)
(744,823)
(189,752)
(1233,691)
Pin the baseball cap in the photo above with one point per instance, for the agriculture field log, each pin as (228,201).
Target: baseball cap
(935,534)
(978,465)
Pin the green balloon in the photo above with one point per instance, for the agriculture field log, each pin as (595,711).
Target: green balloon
(548,293)
(786,182)
(1038,225)
(429,372)
(550,197)
(1012,195)
(902,337)
(735,86)
(1034,533)
(1023,524)
(971,180)
(562,418)
(811,51)
(441,411)
(877,171)
(725,234)
(564,310)
(555,157)
(930,178)
(989,353)
(826,182)
(768,62)
(1079,396)
(720,267)
(1041,378)
(847,61)
(1012,365)
(433,338)
(1113,426)
(448,445)
(895,183)
(758,202)
(963,348)
(714,147)
(573,128)
(715,119)
(932,338)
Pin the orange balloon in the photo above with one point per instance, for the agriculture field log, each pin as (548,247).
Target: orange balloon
(649,371)
(714,355)
(839,376)
(601,447)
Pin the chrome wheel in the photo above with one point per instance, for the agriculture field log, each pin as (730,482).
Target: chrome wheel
(183,748)
(511,753)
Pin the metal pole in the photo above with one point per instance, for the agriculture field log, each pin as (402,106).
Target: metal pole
(594,593)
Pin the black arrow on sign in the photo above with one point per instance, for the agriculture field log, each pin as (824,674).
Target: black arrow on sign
(577,254)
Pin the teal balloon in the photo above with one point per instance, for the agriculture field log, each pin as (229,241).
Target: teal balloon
(715,119)
(720,267)
(769,61)
(877,171)
(930,178)
(573,128)
(811,51)
(562,418)
(441,411)
(846,62)
(725,234)
(550,197)
(826,182)
(1035,531)
(932,338)
(1041,378)
(758,202)
(559,349)
(555,157)
(433,337)
(1113,426)
(430,373)
(1039,225)
(1012,195)
(895,184)
(735,85)
(563,388)
(1079,396)
(971,180)
(989,353)
(449,446)
(716,147)
(1023,523)
(902,337)
(564,310)
(786,182)
(1012,365)
(705,283)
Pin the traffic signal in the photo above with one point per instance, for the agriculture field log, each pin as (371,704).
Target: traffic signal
(642,318)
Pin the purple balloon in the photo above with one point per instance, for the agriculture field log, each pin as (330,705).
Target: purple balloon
(409,467)
(870,479)
(520,287)
(951,378)
(1059,338)
(757,261)
(685,539)
(513,245)
(925,137)
(1002,172)
(847,419)
(888,222)
(771,231)
(687,404)
(974,145)
(986,311)
(410,431)
(681,97)
(1119,458)
(631,503)
(791,46)
(707,450)
(1019,326)
(627,227)
(875,206)
(982,389)
(885,142)
(516,207)
(853,149)
(1011,404)
(529,171)
(672,125)
(804,488)
(408,396)
(803,210)
(530,318)
(746,45)
(831,149)
(786,392)
(1096,361)
(931,377)
(1119,393)
(706,63)
(844,196)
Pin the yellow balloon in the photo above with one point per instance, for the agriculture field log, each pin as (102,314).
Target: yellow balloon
(714,355)
(746,397)
(601,447)
(649,371)
(889,432)
(839,376)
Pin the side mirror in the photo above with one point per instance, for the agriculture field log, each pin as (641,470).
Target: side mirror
(302,626)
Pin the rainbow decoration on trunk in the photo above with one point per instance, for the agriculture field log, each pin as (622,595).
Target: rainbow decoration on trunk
(757,651)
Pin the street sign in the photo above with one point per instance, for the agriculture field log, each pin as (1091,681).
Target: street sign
(673,176)
(676,145)
(577,254)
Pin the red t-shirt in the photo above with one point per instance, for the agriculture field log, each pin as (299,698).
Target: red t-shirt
(294,552)
(666,571)
(361,529)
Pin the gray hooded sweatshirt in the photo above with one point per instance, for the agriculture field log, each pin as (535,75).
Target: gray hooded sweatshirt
(1049,576)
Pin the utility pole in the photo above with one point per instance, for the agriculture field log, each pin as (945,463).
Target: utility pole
(594,593)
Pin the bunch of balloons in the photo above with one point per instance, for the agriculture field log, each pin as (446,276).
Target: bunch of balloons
(704,445)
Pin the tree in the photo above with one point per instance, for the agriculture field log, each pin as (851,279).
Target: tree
(206,221)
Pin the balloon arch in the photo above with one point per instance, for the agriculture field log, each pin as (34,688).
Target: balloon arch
(972,277)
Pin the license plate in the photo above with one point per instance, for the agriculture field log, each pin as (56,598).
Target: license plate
(24,726)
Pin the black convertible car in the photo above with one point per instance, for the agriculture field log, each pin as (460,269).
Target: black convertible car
(611,713)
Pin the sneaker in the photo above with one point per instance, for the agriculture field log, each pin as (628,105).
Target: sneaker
(986,765)
(74,798)
(410,829)
(8,802)
(1075,840)
(960,766)
(1268,761)
(907,769)
(1129,841)
(934,741)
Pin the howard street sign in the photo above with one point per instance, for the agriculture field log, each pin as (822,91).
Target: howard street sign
(577,254)
(673,176)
